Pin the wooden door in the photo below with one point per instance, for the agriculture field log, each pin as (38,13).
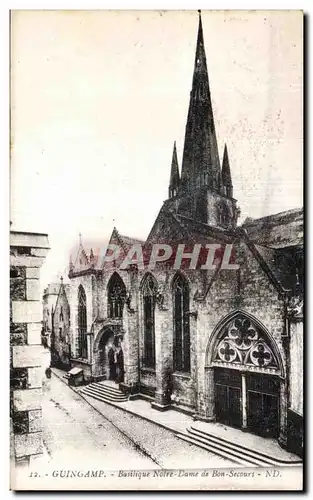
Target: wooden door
(228,397)
(263,405)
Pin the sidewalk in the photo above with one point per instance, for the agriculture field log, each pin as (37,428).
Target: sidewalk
(179,422)
(170,419)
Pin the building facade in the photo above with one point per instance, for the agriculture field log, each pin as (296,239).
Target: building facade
(60,341)
(49,299)
(28,358)
(222,344)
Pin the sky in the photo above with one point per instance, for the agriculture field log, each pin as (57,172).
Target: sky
(98,98)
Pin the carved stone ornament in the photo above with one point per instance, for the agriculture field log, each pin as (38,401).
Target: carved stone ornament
(242,343)
(128,301)
(295,307)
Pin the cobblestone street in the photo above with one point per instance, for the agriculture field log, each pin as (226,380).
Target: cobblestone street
(76,433)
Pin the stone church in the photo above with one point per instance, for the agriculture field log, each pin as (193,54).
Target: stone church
(224,345)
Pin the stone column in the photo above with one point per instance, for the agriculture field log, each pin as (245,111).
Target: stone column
(130,343)
(283,414)
(130,347)
(163,358)
(90,341)
(207,413)
(29,359)
(244,424)
(194,361)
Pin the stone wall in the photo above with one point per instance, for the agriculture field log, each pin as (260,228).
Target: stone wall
(50,296)
(295,410)
(27,254)
(87,281)
(61,330)
(250,290)
(296,367)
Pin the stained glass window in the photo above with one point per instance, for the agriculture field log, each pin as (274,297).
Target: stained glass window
(116,296)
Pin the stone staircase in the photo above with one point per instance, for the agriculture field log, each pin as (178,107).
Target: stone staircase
(231,450)
(106,391)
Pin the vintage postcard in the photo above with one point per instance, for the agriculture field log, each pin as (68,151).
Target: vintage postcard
(156,251)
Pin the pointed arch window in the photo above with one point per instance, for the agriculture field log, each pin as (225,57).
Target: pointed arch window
(149,291)
(181,344)
(116,296)
(82,323)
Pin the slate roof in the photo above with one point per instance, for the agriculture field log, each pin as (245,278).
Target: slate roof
(280,230)
(286,264)
(129,241)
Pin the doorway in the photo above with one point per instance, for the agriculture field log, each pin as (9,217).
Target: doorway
(228,397)
(110,357)
(259,393)
(263,405)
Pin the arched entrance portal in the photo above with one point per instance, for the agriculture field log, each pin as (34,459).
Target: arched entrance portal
(247,374)
(108,355)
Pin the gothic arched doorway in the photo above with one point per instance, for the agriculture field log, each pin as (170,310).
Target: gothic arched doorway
(247,377)
(108,355)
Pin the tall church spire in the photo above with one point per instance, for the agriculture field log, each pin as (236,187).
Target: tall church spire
(226,175)
(174,179)
(201,165)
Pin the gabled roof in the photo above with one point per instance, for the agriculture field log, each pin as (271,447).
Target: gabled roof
(87,254)
(63,289)
(277,231)
(129,241)
(90,253)
(286,264)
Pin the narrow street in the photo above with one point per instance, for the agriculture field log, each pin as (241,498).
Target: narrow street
(75,433)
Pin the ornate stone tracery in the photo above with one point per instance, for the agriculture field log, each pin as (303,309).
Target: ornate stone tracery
(242,343)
